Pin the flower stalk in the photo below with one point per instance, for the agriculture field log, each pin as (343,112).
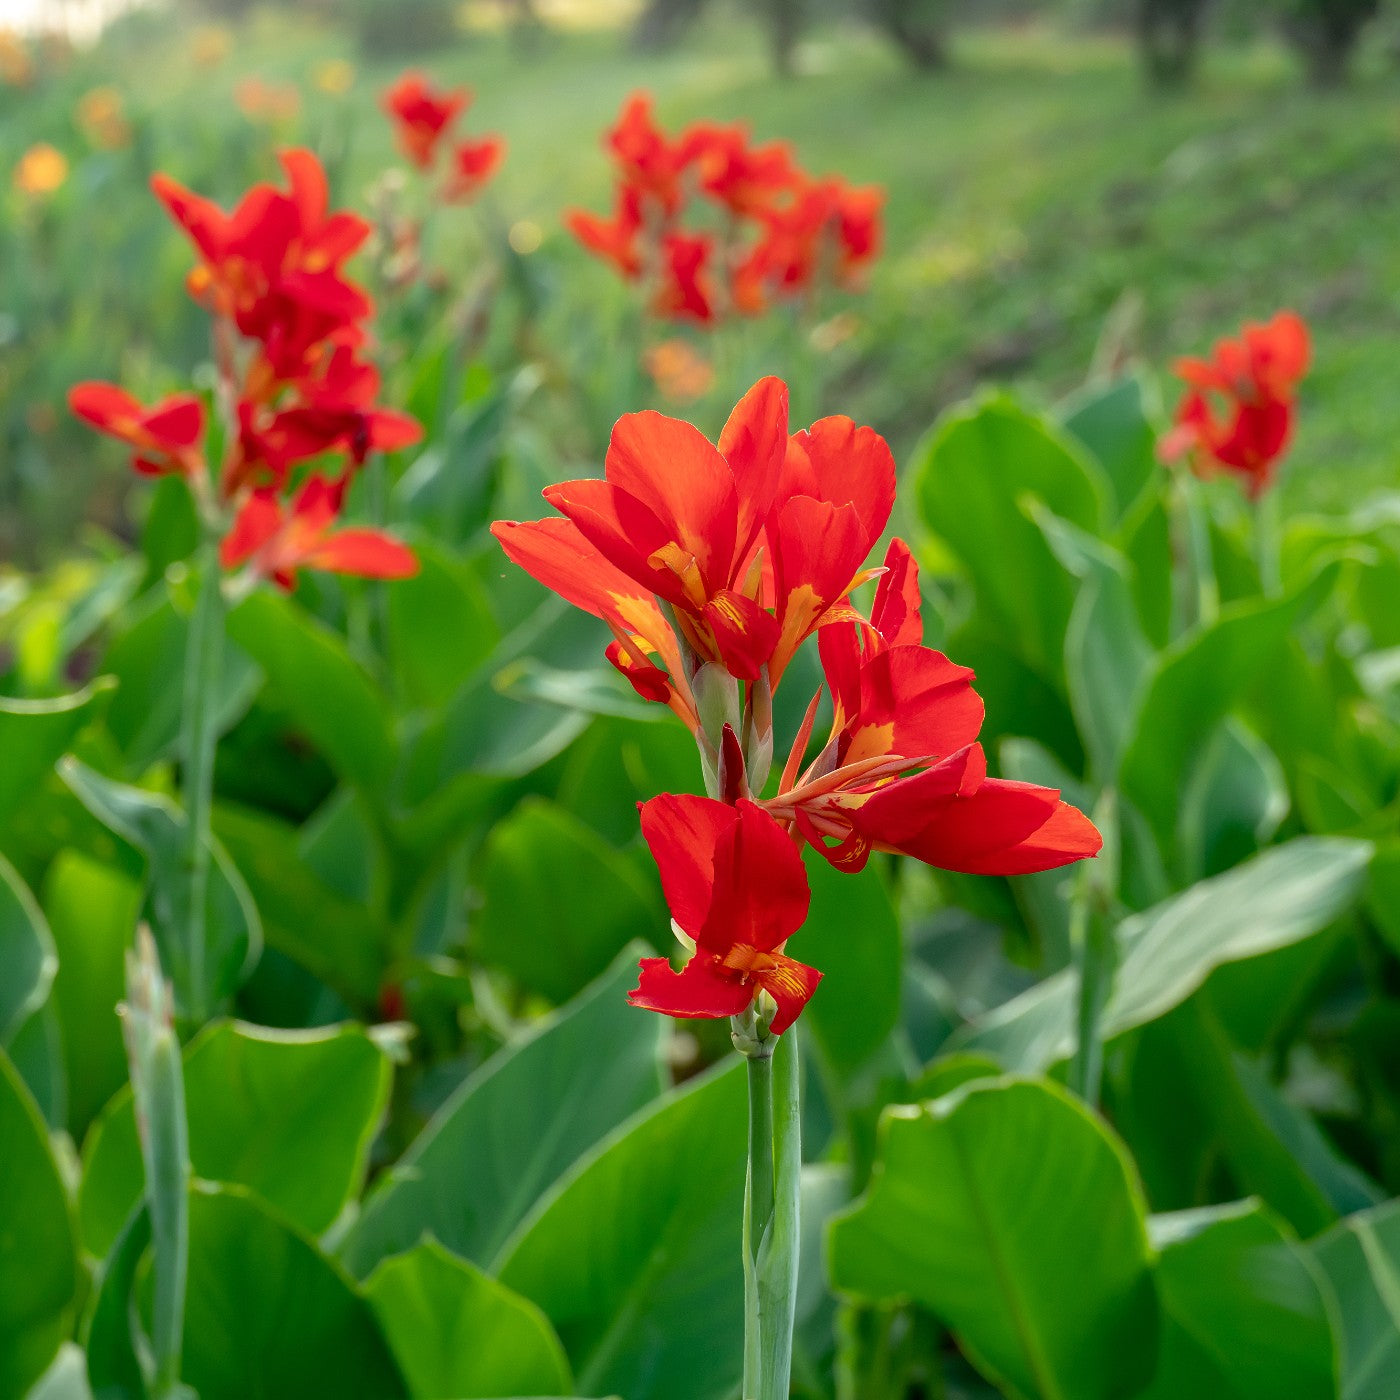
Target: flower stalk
(198,742)
(772,1206)
(157,1085)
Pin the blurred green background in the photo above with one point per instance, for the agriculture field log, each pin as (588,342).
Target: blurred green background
(1047,203)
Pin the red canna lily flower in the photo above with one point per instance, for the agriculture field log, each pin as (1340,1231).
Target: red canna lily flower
(649,162)
(422,116)
(832,505)
(165,438)
(474,163)
(684,293)
(859,226)
(745,180)
(1238,410)
(679,522)
(902,770)
(737,892)
(273,266)
(276,542)
(615,240)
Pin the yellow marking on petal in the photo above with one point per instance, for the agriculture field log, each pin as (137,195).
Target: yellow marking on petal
(682,563)
(782,979)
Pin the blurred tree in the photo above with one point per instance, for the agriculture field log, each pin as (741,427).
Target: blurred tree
(919,27)
(1325,33)
(663,22)
(1169,36)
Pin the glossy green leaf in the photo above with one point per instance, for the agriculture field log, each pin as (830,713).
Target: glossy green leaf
(1114,422)
(1361,1258)
(27,955)
(155,826)
(458,1332)
(852,934)
(148,660)
(980,468)
(38,1254)
(1014,1214)
(1235,799)
(92,909)
(514,1127)
(34,734)
(1283,896)
(328,694)
(1107,657)
(270,1316)
(66,1379)
(1243,1309)
(444,599)
(333,937)
(288,1114)
(558,902)
(635,1255)
(1197,682)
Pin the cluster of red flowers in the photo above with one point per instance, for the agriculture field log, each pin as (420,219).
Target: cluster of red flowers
(711,566)
(1238,410)
(289,331)
(422,120)
(775,232)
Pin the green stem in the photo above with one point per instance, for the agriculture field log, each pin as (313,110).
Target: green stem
(157,1085)
(772,1206)
(1091,941)
(198,741)
(1198,594)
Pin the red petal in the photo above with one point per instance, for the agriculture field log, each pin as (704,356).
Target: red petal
(103,404)
(913,701)
(791,985)
(624,531)
(897,615)
(680,477)
(754,443)
(555,553)
(760,895)
(837,461)
(257,522)
(683,832)
(367,553)
(744,633)
(176,422)
(699,990)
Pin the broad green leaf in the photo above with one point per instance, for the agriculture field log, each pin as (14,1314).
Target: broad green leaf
(1361,1258)
(1013,1213)
(334,937)
(558,902)
(269,1316)
(1197,682)
(92,910)
(852,934)
(1107,657)
(289,1115)
(34,734)
(38,1252)
(1235,799)
(635,1255)
(66,1379)
(976,474)
(148,662)
(1114,422)
(456,1331)
(328,694)
(1281,897)
(1243,1312)
(444,599)
(155,826)
(28,960)
(514,1127)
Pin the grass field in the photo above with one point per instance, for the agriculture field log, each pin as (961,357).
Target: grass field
(1033,188)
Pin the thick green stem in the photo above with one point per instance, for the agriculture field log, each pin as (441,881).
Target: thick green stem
(198,740)
(772,1217)
(1091,938)
(158,1090)
(1197,593)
